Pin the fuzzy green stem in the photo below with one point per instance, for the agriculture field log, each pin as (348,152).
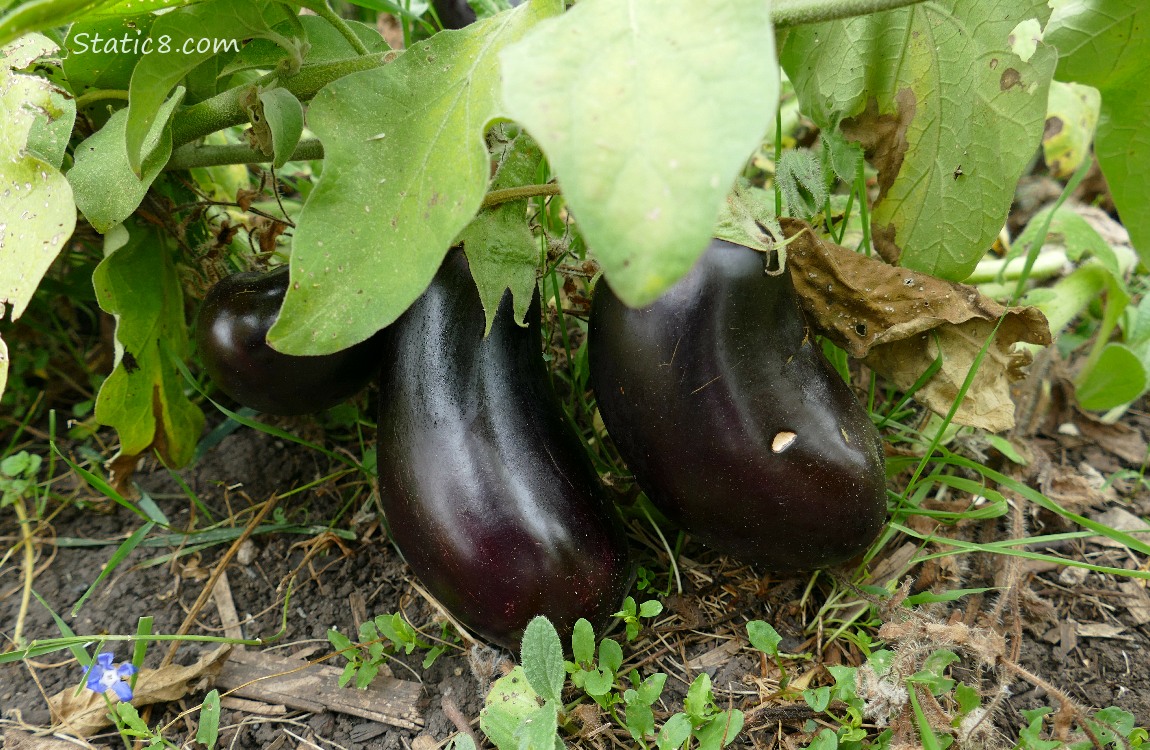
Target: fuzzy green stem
(495,197)
(324,11)
(99,95)
(787,13)
(190,157)
(226,109)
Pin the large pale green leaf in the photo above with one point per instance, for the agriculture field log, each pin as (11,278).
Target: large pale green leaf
(143,398)
(1106,44)
(1122,145)
(181,41)
(107,190)
(500,249)
(36,210)
(405,170)
(946,111)
(647,111)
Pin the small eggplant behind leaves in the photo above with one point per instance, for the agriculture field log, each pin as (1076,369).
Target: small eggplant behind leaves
(732,420)
(231,335)
(489,494)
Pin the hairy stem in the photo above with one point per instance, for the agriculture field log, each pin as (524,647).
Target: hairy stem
(324,11)
(190,157)
(495,197)
(795,12)
(99,95)
(226,109)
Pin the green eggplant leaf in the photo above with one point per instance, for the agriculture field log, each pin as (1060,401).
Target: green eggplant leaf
(945,110)
(325,44)
(181,41)
(283,115)
(1106,44)
(500,248)
(144,397)
(98,56)
(665,121)
(107,190)
(39,15)
(1117,378)
(37,213)
(405,171)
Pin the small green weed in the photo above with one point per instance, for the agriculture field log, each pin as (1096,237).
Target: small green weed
(379,639)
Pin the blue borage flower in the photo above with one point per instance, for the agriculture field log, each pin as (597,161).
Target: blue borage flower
(102,676)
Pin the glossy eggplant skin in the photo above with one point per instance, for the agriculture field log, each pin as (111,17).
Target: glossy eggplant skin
(488,493)
(231,334)
(700,392)
(455,14)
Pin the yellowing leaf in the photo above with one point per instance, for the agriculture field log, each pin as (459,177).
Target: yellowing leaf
(144,397)
(647,111)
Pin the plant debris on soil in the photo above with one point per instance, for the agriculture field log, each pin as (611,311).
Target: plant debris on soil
(1063,631)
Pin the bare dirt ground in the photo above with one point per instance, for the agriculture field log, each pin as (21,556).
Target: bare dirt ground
(1080,632)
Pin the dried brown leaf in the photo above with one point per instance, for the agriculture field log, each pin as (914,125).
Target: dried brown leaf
(85,712)
(900,320)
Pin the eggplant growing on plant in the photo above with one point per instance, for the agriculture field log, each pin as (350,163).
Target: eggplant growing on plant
(489,494)
(455,14)
(732,420)
(231,334)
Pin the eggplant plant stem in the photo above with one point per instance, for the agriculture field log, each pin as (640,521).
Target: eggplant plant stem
(226,109)
(190,157)
(495,197)
(324,10)
(787,13)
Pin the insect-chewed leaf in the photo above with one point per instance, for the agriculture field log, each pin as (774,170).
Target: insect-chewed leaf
(663,125)
(946,111)
(406,168)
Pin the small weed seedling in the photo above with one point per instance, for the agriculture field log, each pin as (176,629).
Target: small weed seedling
(380,638)
(525,708)
(631,613)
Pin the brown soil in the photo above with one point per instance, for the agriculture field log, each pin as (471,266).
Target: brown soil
(1081,634)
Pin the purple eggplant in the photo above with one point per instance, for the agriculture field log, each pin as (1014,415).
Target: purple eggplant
(489,494)
(231,334)
(732,420)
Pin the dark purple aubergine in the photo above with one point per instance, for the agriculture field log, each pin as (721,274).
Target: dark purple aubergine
(455,14)
(231,334)
(489,494)
(732,420)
